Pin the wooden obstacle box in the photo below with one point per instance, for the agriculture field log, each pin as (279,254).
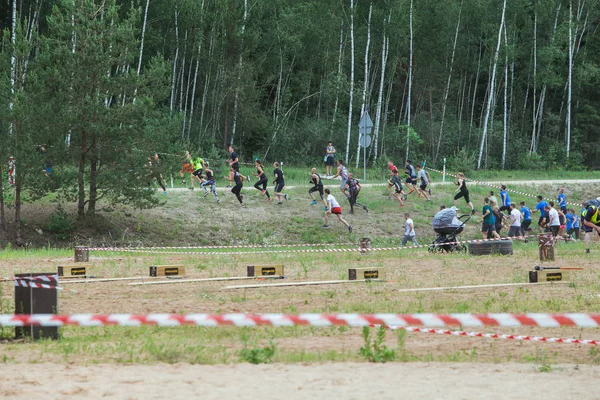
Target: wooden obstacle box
(74,270)
(549,275)
(167,270)
(358,274)
(265,270)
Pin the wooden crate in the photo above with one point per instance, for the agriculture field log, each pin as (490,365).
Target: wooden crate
(549,275)
(373,273)
(73,271)
(265,270)
(167,270)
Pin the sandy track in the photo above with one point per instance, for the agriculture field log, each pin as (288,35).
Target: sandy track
(333,381)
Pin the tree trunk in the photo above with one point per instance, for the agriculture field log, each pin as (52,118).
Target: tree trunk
(505,127)
(437,151)
(239,77)
(2,211)
(534,145)
(139,67)
(410,71)
(384,54)
(80,178)
(475,90)
(174,73)
(490,98)
(13,60)
(337,79)
(363,105)
(91,209)
(351,79)
(570,80)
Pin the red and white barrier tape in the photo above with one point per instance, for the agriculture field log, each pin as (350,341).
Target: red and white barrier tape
(250,246)
(35,285)
(580,320)
(343,250)
(524,338)
(498,187)
(42,278)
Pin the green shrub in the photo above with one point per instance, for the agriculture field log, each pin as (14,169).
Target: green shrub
(258,355)
(374,350)
(61,224)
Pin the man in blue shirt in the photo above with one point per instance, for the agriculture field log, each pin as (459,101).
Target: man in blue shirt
(541,205)
(572,223)
(505,198)
(526,219)
(562,200)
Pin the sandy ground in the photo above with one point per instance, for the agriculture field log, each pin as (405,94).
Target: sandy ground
(333,381)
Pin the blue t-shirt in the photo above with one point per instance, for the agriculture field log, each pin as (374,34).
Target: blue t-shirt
(505,198)
(570,218)
(562,200)
(526,213)
(575,221)
(540,206)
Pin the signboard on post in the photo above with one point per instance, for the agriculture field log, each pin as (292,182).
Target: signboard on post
(365,125)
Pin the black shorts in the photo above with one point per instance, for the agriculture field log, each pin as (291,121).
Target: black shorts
(525,225)
(487,227)
(316,188)
(514,231)
(197,173)
(554,229)
(541,220)
(330,161)
(463,194)
(423,186)
(279,187)
(236,167)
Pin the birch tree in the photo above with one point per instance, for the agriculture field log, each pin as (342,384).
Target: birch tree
(239,78)
(410,72)
(363,105)
(493,78)
(350,101)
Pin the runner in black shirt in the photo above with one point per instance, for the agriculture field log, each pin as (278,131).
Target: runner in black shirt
(315,179)
(262,179)
(354,188)
(279,182)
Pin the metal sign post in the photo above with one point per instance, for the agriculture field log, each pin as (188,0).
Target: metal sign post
(444,172)
(365,125)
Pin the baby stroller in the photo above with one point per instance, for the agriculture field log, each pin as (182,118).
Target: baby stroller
(448,226)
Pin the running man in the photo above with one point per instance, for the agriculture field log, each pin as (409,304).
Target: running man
(487,221)
(526,223)
(423,181)
(343,173)
(155,166)
(198,166)
(210,180)
(354,189)
(315,179)
(590,217)
(409,231)
(463,191)
(392,182)
(562,200)
(239,184)
(572,224)
(279,183)
(541,207)
(187,169)
(553,218)
(493,199)
(515,221)
(329,158)
(234,163)
(505,198)
(262,179)
(411,179)
(334,208)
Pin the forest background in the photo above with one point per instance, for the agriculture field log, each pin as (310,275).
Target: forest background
(103,84)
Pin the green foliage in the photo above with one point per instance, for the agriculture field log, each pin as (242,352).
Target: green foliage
(374,350)
(61,223)
(258,355)
(533,161)
(464,161)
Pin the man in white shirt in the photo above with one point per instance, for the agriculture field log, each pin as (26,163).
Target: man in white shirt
(333,207)
(553,219)
(409,231)
(515,221)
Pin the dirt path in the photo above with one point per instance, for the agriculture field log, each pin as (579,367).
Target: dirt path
(335,381)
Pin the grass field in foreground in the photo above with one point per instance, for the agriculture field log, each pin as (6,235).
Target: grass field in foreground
(404,269)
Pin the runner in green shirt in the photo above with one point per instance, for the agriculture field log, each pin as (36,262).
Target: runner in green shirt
(487,222)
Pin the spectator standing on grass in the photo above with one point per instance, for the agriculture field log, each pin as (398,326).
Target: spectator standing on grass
(553,218)
(505,199)
(329,158)
(279,183)
(315,179)
(562,200)
(525,225)
(463,191)
(409,231)
(334,208)
(515,221)
(487,221)
(343,173)
(541,207)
